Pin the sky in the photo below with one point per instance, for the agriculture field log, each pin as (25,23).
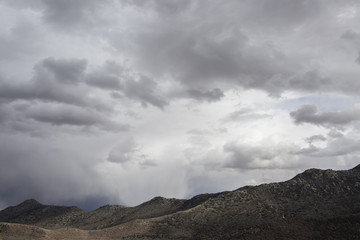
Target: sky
(119,101)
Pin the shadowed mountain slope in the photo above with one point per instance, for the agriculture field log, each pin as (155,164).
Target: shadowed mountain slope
(34,213)
(52,217)
(311,205)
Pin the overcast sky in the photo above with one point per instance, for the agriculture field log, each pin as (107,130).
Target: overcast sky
(110,101)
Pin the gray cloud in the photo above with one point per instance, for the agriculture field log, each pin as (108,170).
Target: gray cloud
(309,81)
(67,71)
(68,14)
(352,37)
(58,95)
(59,114)
(315,138)
(123,152)
(244,114)
(223,50)
(309,150)
(5,113)
(109,82)
(143,89)
(21,40)
(201,57)
(336,148)
(53,80)
(45,172)
(340,147)
(210,96)
(199,132)
(282,14)
(261,14)
(128,152)
(309,114)
(66,81)
(60,123)
(242,156)
(213,53)
(124,82)
(107,77)
(335,134)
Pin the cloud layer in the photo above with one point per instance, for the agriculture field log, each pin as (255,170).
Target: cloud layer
(120,101)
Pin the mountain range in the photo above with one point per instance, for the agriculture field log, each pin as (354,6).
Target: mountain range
(316,204)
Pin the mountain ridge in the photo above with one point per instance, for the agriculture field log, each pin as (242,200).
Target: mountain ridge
(315,199)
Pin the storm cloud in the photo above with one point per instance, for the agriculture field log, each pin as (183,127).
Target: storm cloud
(309,114)
(120,101)
(69,115)
(53,80)
(214,51)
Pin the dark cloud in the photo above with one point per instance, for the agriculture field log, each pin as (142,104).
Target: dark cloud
(309,81)
(202,56)
(59,114)
(40,169)
(315,138)
(55,81)
(210,96)
(170,7)
(335,133)
(309,150)
(277,14)
(60,123)
(69,14)
(58,95)
(200,51)
(109,82)
(143,89)
(107,77)
(282,14)
(66,81)
(309,114)
(124,82)
(241,47)
(67,71)
(352,37)
(41,119)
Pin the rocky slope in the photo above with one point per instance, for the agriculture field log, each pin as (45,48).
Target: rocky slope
(53,217)
(34,213)
(317,204)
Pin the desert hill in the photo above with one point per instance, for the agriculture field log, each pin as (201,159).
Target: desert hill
(316,204)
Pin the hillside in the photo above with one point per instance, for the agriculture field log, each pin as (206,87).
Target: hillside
(314,204)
